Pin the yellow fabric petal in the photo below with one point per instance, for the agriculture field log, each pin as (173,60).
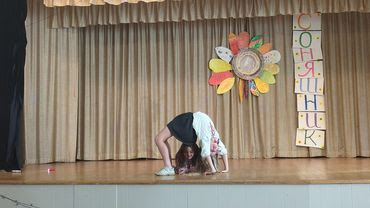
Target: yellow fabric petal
(272,68)
(226,85)
(219,65)
(262,86)
(241,90)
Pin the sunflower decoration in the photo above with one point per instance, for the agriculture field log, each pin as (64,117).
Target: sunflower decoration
(250,59)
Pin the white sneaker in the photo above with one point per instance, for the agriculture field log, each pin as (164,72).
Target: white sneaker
(166,171)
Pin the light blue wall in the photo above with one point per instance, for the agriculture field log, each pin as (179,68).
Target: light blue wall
(188,196)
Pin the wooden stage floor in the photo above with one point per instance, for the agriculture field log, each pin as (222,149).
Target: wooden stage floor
(246,171)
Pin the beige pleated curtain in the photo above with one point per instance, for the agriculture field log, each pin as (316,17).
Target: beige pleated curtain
(61,3)
(104,92)
(195,10)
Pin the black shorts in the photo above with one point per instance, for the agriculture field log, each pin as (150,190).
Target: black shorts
(181,127)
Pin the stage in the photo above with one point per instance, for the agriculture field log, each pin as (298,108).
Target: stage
(277,183)
(246,171)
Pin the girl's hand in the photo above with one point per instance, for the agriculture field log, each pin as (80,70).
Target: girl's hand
(181,171)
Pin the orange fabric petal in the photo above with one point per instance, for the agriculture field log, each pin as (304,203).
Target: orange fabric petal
(265,48)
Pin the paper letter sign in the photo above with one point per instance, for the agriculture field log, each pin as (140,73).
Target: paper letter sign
(307,22)
(309,85)
(309,80)
(311,120)
(306,39)
(309,69)
(310,102)
(310,138)
(306,54)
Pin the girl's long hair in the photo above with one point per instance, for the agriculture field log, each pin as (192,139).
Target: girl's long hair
(196,161)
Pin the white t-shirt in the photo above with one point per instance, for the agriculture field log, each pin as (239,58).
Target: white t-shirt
(205,130)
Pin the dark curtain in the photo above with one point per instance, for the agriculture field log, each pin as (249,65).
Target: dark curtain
(12,57)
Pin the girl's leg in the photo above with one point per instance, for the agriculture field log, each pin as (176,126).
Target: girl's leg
(169,151)
(163,146)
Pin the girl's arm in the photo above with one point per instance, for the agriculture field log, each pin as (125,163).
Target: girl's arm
(210,163)
(226,163)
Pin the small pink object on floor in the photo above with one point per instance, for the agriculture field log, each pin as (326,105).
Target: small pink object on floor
(51,170)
